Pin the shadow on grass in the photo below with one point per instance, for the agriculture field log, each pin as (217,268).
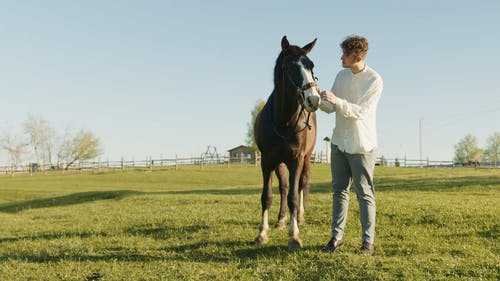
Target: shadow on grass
(226,251)
(50,258)
(83,197)
(221,252)
(420,184)
(165,232)
(492,233)
(222,191)
(52,236)
(381,184)
(71,199)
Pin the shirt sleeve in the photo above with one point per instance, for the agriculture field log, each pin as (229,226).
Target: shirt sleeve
(359,109)
(327,106)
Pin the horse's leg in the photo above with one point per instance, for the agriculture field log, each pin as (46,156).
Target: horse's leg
(303,190)
(266,199)
(283,185)
(295,169)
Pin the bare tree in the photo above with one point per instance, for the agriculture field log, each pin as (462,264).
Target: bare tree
(83,146)
(39,133)
(14,147)
(48,145)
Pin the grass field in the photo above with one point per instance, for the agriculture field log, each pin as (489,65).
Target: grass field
(192,224)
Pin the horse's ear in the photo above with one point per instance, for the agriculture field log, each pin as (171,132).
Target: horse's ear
(309,46)
(284,43)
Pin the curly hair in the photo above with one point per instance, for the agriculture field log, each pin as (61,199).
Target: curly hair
(355,44)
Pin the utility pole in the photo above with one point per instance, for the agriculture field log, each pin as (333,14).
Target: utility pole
(420,139)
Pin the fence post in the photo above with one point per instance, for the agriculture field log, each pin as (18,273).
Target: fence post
(122,165)
(150,163)
(176,162)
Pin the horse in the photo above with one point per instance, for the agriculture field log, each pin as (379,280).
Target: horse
(285,133)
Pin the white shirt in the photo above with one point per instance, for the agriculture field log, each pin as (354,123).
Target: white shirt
(357,96)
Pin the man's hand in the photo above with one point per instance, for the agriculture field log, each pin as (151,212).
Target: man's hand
(328,96)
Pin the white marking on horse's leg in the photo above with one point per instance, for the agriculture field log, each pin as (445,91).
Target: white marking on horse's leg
(293,231)
(301,207)
(294,242)
(264,225)
(263,228)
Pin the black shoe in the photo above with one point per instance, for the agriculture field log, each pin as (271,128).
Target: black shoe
(333,245)
(367,249)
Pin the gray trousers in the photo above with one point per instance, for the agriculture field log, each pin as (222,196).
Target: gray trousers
(354,169)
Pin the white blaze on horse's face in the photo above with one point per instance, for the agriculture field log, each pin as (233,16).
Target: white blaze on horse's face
(312,98)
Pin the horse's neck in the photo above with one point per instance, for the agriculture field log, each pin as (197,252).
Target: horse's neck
(286,110)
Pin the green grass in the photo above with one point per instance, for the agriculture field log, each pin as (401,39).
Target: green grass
(192,224)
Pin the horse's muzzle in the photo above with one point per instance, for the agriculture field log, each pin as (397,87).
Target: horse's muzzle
(312,103)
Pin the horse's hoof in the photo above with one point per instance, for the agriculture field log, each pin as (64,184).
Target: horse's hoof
(294,244)
(301,221)
(260,240)
(281,224)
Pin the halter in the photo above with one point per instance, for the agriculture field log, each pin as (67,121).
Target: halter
(300,100)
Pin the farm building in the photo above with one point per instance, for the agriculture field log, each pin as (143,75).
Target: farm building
(241,154)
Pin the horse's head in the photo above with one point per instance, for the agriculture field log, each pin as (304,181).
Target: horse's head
(296,70)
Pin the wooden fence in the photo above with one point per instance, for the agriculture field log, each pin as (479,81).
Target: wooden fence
(177,162)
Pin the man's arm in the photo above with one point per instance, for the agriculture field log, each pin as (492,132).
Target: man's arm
(359,110)
(326,106)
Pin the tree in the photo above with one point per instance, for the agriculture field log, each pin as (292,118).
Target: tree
(14,146)
(396,163)
(83,146)
(48,145)
(383,161)
(40,135)
(492,151)
(250,141)
(63,147)
(467,149)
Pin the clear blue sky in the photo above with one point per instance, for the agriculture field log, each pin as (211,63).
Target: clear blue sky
(162,78)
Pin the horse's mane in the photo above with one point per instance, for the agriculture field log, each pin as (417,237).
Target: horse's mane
(278,69)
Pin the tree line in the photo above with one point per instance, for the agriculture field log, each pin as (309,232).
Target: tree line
(59,151)
(467,149)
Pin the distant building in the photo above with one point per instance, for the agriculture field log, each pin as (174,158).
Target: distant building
(241,154)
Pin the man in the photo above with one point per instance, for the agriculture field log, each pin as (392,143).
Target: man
(354,98)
